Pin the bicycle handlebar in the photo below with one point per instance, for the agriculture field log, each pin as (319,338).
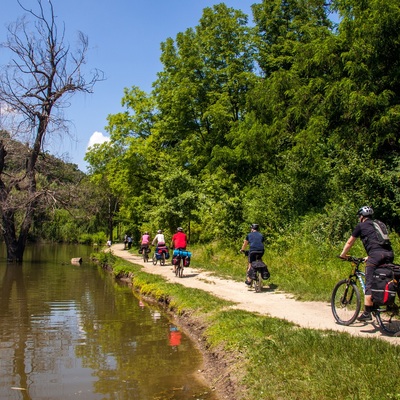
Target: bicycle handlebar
(356,260)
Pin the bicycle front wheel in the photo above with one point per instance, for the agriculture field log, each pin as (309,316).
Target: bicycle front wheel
(345,302)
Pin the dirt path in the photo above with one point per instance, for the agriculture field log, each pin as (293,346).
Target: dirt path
(314,315)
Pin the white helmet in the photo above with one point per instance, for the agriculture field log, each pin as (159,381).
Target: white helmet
(365,211)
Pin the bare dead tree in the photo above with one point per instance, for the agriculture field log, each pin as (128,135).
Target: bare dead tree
(35,88)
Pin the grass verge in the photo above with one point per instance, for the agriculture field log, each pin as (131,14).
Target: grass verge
(273,359)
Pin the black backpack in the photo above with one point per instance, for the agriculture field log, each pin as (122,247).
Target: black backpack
(381,231)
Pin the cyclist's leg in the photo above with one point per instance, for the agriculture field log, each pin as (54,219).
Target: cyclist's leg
(370,266)
(252,257)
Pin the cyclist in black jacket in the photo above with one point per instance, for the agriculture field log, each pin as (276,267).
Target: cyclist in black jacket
(378,253)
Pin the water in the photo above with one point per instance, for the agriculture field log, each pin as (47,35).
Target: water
(72,332)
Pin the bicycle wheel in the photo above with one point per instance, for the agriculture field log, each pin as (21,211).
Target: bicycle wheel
(345,302)
(389,321)
(258,283)
(154,259)
(145,255)
(177,268)
(162,261)
(180,272)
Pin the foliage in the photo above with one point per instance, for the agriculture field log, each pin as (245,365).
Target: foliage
(291,123)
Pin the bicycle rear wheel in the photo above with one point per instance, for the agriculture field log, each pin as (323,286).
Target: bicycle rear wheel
(389,321)
(162,261)
(154,259)
(345,302)
(258,282)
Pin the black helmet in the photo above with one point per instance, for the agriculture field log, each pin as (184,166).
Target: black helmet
(365,211)
(180,229)
(254,226)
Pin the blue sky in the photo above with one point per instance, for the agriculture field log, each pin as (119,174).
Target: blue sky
(124,39)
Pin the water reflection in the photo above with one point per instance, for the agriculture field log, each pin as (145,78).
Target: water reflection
(70,331)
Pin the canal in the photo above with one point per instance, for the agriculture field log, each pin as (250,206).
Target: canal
(71,332)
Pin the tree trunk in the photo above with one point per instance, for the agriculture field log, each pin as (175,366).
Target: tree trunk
(15,248)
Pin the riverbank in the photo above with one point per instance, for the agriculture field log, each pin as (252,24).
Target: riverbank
(232,330)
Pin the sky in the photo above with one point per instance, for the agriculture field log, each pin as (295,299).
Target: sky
(124,42)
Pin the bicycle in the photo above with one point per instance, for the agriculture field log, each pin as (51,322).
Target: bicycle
(346,302)
(257,283)
(160,254)
(182,259)
(144,251)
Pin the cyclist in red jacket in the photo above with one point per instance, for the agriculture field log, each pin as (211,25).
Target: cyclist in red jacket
(179,240)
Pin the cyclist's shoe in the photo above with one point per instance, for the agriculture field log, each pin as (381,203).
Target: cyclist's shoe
(365,316)
(247,282)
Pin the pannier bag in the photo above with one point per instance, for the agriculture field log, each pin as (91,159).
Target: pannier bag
(176,260)
(384,286)
(182,253)
(163,249)
(261,267)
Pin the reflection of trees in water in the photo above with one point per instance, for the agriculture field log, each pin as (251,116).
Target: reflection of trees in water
(68,317)
(14,306)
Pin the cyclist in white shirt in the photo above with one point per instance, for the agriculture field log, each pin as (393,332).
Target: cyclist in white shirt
(159,238)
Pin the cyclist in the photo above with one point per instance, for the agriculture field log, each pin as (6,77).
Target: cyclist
(377,254)
(255,240)
(159,239)
(145,242)
(179,241)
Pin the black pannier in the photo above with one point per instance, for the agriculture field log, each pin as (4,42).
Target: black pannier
(261,267)
(384,286)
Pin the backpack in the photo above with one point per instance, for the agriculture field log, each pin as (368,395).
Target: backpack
(384,286)
(381,232)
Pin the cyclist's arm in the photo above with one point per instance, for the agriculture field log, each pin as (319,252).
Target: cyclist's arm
(244,245)
(347,246)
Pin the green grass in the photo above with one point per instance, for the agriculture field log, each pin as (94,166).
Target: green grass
(276,359)
(307,269)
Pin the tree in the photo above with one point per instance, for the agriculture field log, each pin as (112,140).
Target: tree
(34,88)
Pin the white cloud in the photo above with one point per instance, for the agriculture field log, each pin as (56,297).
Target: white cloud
(97,138)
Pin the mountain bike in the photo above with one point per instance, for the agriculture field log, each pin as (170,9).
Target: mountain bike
(346,302)
(257,281)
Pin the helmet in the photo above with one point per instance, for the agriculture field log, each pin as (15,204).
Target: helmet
(159,231)
(254,226)
(365,211)
(180,229)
